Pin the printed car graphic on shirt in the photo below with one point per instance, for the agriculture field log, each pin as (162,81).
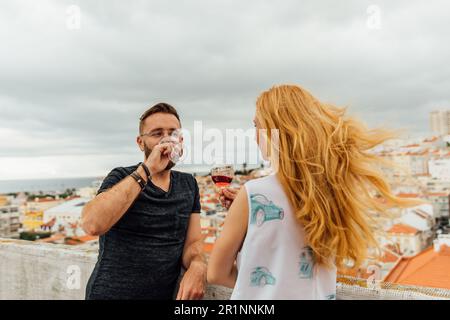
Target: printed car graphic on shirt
(331,297)
(264,210)
(261,276)
(306,264)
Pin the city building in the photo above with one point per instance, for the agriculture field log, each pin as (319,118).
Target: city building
(87,192)
(440,202)
(42,204)
(434,185)
(439,168)
(440,122)
(409,239)
(32,220)
(9,221)
(67,216)
(422,221)
(81,240)
(420,217)
(4,200)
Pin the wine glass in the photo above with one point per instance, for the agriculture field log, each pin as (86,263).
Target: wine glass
(222,177)
(175,139)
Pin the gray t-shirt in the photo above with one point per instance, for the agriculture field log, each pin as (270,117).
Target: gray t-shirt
(140,256)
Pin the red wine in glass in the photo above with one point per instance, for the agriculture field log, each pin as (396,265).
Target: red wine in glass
(222,181)
(222,176)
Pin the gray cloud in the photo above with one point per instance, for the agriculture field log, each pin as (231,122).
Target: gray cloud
(81,91)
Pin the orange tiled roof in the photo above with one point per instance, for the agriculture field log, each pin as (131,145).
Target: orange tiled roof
(438,194)
(408,195)
(432,139)
(411,145)
(421,213)
(44,200)
(207,247)
(71,198)
(209,228)
(79,240)
(428,269)
(355,272)
(54,237)
(87,238)
(388,257)
(211,200)
(394,248)
(403,229)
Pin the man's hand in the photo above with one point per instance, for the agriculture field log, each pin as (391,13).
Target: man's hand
(227,196)
(193,284)
(158,159)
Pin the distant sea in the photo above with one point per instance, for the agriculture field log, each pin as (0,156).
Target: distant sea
(46,185)
(62,184)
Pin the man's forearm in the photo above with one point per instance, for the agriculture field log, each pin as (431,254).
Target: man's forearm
(194,253)
(100,214)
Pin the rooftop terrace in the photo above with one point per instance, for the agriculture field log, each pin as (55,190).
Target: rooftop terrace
(30,270)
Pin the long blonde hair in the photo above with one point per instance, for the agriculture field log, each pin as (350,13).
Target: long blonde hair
(330,177)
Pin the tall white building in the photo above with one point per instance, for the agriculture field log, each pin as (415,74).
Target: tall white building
(9,221)
(67,215)
(439,169)
(440,122)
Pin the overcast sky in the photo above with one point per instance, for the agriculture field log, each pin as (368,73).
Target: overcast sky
(71,91)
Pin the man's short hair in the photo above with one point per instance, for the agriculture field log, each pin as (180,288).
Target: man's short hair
(159,107)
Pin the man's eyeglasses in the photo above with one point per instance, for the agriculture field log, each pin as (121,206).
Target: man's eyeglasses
(158,133)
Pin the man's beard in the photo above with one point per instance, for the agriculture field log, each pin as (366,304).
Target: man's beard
(147,152)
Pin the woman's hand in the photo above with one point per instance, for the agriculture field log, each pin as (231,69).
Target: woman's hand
(227,196)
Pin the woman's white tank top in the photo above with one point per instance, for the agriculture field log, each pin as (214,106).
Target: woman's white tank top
(274,261)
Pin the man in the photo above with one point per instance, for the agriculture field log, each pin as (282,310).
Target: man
(147,216)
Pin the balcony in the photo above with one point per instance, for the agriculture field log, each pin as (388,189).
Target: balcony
(37,271)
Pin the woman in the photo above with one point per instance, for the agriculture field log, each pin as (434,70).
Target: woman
(290,231)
